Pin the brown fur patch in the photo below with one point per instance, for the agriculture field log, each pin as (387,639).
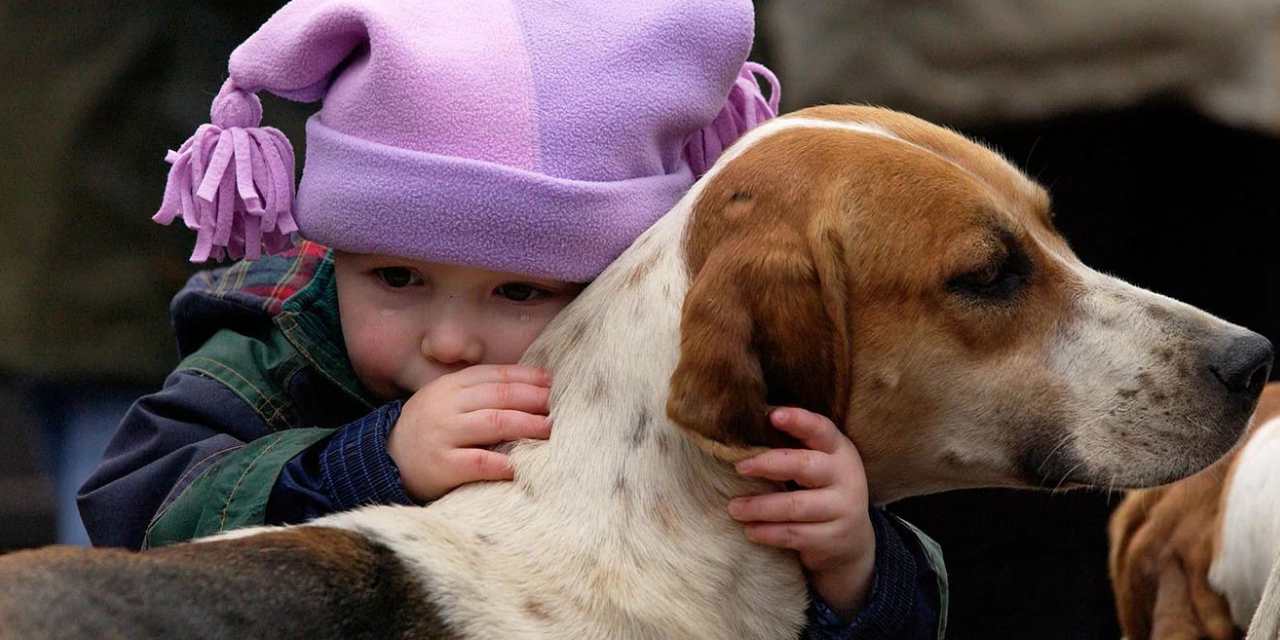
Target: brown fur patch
(642,270)
(827,287)
(537,610)
(756,328)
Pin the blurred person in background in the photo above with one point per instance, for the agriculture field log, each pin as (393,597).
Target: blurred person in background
(91,89)
(1154,125)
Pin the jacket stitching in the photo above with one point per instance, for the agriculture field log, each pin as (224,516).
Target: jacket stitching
(277,419)
(290,328)
(156,517)
(264,401)
(236,487)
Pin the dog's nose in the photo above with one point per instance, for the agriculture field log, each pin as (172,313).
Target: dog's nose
(1244,365)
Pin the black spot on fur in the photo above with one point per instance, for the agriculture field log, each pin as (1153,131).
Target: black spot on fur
(641,427)
(1158,312)
(599,389)
(578,332)
(538,356)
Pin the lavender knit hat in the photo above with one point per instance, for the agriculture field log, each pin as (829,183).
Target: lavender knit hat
(533,136)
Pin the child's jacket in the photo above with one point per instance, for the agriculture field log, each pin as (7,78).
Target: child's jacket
(264,422)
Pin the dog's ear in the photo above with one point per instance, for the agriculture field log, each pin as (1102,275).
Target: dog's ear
(763,325)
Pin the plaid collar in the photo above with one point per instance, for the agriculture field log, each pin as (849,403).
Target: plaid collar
(266,284)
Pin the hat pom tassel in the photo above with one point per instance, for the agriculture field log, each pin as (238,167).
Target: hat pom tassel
(744,108)
(232,182)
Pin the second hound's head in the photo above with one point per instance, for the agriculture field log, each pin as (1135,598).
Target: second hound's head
(909,283)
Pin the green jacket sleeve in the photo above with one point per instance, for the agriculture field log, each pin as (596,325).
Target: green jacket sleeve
(233,492)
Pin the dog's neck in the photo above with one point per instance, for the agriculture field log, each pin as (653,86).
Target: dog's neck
(611,355)
(619,493)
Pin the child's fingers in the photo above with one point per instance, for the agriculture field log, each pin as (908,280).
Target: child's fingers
(491,426)
(515,396)
(473,465)
(786,506)
(801,536)
(501,374)
(814,430)
(806,467)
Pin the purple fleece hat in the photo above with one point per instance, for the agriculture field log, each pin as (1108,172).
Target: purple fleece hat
(535,136)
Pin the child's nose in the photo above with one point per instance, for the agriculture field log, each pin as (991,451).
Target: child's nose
(450,341)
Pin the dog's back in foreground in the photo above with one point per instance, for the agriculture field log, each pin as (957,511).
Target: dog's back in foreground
(853,261)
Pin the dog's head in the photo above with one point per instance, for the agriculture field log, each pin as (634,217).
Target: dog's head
(909,284)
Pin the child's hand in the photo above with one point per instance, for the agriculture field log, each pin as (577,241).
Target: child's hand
(435,441)
(827,520)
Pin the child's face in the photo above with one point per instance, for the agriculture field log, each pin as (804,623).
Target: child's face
(406,322)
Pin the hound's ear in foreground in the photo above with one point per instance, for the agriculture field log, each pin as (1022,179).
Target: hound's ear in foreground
(764,323)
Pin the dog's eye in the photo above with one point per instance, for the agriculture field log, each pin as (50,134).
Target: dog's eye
(987,277)
(998,280)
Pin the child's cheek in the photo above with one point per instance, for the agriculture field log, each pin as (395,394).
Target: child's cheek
(519,337)
(380,344)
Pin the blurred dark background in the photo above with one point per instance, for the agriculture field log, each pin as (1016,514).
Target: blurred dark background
(94,93)
(1156,127)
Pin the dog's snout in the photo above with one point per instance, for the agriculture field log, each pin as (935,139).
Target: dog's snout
(1244,365)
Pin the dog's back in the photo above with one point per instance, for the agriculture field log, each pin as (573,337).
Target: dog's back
(306,582)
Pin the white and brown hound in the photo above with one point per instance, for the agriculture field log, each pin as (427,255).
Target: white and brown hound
(862,263)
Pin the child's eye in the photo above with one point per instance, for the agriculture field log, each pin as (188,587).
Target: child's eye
(519,292)
(397,277)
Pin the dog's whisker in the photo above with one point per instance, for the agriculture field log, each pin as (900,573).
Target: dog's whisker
(1067,475)
(1065,438)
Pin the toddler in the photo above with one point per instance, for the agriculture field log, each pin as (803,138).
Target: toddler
(473,164)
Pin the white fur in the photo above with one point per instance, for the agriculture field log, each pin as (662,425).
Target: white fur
(1250,525)
(1266,620)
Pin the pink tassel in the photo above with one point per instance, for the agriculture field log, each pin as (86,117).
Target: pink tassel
(232,182)
(745,108)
